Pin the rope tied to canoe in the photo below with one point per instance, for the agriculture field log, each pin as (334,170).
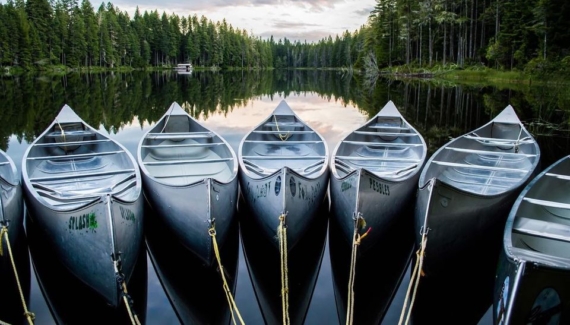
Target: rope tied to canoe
(62,131)
(281,136)
(282,237)
(359,224)
(4,233)
(418,272)
(227,291)
(129,304)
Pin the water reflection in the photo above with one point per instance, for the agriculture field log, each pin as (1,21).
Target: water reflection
(334,103)
(264,265)
(194,289)
(378,273)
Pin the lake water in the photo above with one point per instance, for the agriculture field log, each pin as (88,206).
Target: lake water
(333,103)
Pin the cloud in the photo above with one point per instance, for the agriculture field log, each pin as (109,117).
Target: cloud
(364,12)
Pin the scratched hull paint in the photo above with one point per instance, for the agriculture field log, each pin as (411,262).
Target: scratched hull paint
(474,179)
(531,285)
(83,191)
(190,179)
(283,170)
(374,172)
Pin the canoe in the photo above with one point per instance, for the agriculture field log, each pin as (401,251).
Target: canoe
(83,190)
(190,179)
(374,174)
(468,186)
(534,270)
(11,216)
(284,171)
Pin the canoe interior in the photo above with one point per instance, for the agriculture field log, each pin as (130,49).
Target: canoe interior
(541,228)
(489,161)
(71,165)
(283,140)
(184,152)
(7,171)
(386,146)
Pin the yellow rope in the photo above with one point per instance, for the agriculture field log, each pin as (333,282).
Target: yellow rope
(418,271)
(132,315)
(229,296)
(359,223)
(282,235)
(29,315)
(282,137)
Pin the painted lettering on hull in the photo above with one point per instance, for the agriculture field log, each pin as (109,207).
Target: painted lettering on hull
(347,184)
(85,221)
(258,191)
(379,187)
(306,192)
(127,214)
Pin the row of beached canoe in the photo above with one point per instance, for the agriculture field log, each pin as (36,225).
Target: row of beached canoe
(85,191)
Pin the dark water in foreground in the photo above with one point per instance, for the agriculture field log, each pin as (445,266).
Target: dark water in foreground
(125,106)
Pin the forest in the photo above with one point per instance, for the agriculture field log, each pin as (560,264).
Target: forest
(524,35)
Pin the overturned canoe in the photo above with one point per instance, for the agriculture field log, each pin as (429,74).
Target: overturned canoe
(533,273)
(190,179)
(284,171)
(83,190)
(468,186)
(374,174)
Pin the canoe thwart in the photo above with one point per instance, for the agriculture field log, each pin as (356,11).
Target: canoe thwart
(450,164)
(288,157)
(559,176)
(388,127)
(284,124)
(158,146)
(179,135)
(77,175)
(281,132)
(81,155)
(388,134)
(540,228)
(378,159)
(186,161)
(70,143)
(286,142)
(550,204)
(4,163)
(499,141)
(74,133)
(382,144)
(495,153)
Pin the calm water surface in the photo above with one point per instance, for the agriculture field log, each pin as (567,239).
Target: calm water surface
(125,106)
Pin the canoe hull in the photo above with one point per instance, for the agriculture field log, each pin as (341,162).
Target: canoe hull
(284,192)
(478,219)
(379,201)
(527,292)
(81,240)
(188,212)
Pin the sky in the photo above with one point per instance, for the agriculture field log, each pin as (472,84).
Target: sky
(303,20)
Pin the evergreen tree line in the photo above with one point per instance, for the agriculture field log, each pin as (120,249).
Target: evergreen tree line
(506,34)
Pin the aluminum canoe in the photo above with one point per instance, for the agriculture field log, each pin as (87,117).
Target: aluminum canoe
(533,273)
(468,186)
(190,179)
(283,171)
(83,190)
(374,174)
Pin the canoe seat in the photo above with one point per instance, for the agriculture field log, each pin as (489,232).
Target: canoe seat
(550,204)
(4,163)
(71,143)
(499,141)
(380,159)
(280,124)
(76,175)
(186,161)
(71,133)
(382,144)
(287,142)
(543,229)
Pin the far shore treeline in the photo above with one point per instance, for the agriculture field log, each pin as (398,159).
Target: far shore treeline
(530,35)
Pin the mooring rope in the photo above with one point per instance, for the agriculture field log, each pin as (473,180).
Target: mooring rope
(282,236)
(418,271)
(229,296)
(4,233)
(126,297)
(359,223)
(282,137)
